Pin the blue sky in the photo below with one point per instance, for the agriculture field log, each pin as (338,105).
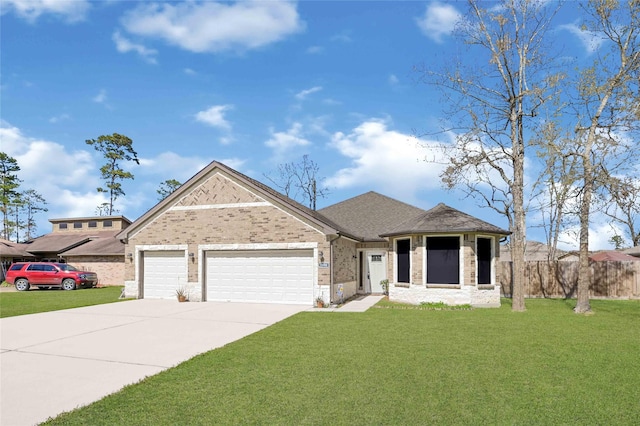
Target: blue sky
(250,84)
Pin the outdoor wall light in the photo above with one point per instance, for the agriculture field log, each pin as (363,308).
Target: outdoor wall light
(192,255)
(130,256)
(321,254)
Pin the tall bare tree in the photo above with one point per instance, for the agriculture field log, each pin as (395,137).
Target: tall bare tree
(493,98)
(115,148)
(608,110)
(300,181)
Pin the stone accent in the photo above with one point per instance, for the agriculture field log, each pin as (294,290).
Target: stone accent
(466,295)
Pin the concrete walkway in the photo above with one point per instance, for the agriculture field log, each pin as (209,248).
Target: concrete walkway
(57,361)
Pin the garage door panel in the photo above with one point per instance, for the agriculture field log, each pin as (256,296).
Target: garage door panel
(277,276)
(164,272)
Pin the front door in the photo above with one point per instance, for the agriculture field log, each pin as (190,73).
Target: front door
(376,271)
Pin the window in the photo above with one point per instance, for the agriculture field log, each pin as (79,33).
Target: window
(48,268)
(483,252)
(376,258)
(77,225)
(93,224)
(16,267)
(443,260)
(35,268)
(62,226)
(403,264)
(107,224)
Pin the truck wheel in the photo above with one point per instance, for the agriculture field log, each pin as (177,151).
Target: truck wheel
(69,284)
(22,284)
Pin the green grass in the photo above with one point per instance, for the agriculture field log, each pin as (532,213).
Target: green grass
(34,301)
(401,366)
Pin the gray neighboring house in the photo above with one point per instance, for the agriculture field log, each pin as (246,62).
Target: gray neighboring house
(533,251)
(87,243)
(226,237)
(633,251)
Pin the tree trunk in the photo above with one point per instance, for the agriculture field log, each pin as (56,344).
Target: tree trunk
(583,305)
(518,237)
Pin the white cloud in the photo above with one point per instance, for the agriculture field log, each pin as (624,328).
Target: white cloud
(189,71)
(69,191)
(215,27)
(600,232)
(342,37)
(285,141)
(302,95)
(59,118)
(314,50)
(214,117)
(101,97)
(31,10)
(438,21)
(125,45)
(590,41)
(385,159)
(393,80)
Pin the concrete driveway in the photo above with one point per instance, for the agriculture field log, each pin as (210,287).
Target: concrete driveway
(56,361)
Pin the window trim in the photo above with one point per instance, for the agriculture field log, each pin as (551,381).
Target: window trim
(77,225)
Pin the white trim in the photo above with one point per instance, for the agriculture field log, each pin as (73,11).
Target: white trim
(460,256)
(395,258)
(219,206)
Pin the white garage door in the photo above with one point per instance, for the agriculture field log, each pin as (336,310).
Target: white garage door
(273,276)
(164,272)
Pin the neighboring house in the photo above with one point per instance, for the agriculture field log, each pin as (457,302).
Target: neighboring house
(224,236)
(8,252)
(533,251)
(612,256)
(88,243)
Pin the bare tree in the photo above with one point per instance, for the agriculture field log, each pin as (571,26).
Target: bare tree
(32,203)
(624,206)
(300,181)
(493,97)
(607,110)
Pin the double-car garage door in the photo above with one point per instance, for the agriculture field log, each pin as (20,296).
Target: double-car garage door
(278,276)
(266,276)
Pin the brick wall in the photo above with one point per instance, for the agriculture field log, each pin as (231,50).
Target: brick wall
(110,269)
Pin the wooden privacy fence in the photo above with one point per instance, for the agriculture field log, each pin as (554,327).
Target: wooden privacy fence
(615,280)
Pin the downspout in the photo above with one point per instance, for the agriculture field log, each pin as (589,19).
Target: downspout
(331,283)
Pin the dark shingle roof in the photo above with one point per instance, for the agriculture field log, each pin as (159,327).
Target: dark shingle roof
(443,218)
(369,215)
(11,249)
(103,246)
(59,242)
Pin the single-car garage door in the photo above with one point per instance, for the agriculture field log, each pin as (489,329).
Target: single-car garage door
(266,276)
(164,272)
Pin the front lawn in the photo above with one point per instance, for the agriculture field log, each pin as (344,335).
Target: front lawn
(403,366)
(34,301)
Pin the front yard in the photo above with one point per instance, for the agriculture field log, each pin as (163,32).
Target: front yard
(404,366)
(34,301)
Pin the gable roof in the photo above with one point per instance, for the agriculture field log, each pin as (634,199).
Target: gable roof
(323,223)
(443,218)
(533,251)
(370,214)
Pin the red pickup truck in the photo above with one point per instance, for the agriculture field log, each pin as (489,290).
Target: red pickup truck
(44,274)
